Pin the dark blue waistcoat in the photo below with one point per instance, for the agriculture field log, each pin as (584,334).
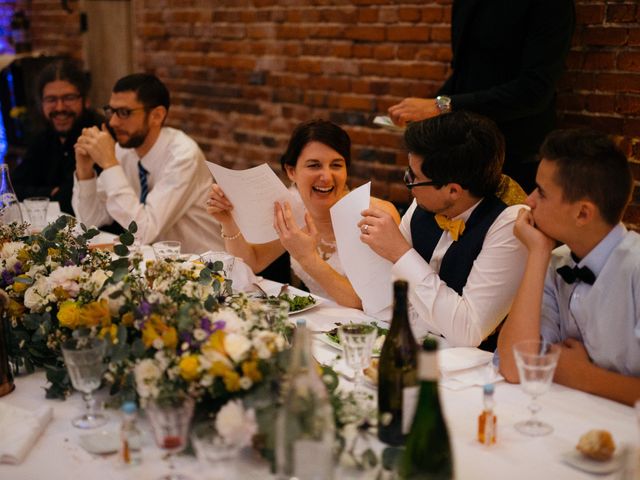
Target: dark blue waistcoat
(458,260)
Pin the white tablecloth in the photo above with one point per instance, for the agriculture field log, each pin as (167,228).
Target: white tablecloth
(59,456)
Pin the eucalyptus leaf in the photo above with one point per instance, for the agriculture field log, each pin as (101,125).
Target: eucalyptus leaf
(121,249)
(133,227)
(127,238)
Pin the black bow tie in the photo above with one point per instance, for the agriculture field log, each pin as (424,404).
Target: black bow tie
(570,275)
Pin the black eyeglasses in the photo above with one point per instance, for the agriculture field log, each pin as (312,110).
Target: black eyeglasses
(122,113)
(67,99)
(410,181)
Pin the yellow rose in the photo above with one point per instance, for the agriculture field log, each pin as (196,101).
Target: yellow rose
(170,338)
(69,314)
(216,342)
(250,369)
(112,331)
(149,334)
(20,287)
(231,381)
(189,367)
(96,313)
(218,369)
(127,319)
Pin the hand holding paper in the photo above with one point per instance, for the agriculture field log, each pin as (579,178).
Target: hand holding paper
(252,193)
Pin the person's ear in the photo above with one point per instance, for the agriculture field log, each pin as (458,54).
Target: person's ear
(291,172)
(455,190)
(586,211)
(157,116)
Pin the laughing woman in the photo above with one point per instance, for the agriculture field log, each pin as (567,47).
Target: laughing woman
(316,160)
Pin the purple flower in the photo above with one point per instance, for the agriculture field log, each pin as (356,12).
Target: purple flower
(145,308)
(18,267)
(219,325)
(185,337)
(205,324)
(7,277)
(81,257)
(69,263)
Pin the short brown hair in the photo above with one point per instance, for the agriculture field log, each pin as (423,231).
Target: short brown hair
(590,166)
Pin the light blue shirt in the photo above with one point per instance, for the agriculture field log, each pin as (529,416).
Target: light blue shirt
(604,316)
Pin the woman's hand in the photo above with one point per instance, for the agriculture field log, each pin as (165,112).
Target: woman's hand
(302,244)
(219,207)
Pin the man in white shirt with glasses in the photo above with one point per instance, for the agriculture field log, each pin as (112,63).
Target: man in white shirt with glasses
(455,245)
(155,175)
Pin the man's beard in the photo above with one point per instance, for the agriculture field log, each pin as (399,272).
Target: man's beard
(68,113)
(136,139)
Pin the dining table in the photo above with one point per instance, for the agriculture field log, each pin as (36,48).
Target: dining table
(58,454)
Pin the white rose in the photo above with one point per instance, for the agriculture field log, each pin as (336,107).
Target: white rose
(9,253)
(97,279)
(66,277)
(233,323)
(35,297)
(237,346)
(147,373)
(236,425)
(114,303)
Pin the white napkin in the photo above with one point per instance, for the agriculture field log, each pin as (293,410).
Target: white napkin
(462,358)
(20,430)
(464,367)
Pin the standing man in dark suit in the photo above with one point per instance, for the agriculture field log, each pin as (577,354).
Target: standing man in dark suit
(507,58)
(47,167)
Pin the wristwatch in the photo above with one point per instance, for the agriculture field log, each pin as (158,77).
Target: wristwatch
(443,103)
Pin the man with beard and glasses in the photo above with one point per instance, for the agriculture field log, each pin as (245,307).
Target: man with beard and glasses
(48,164)
(155,175)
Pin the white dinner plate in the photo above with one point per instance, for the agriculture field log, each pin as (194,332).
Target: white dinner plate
(308,307)
(329,341)
(101,442)
(577,460)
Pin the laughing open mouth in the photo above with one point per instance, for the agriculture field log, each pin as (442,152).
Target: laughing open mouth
(322,189)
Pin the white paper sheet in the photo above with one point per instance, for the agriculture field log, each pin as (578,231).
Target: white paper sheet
(20,430)
(253,193)
(369,273)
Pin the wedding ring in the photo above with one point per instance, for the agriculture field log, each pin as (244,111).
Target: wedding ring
(365,228)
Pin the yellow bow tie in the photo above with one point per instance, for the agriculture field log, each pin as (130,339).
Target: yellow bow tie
(454,227)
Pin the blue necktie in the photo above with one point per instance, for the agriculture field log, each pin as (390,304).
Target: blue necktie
(144,186)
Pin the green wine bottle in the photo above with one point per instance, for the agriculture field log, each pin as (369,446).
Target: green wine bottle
(427,454)
(397,377)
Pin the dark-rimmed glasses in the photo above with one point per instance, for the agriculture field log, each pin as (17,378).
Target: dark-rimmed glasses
(67,99)
(122,113)
(410,180)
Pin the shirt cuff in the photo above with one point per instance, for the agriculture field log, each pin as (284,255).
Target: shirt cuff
(86,188)
(411,267)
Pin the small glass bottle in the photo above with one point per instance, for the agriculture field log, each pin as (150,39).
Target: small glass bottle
(130,436)
(487,420)
(9,206)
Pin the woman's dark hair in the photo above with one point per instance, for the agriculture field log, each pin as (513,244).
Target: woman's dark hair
(322,131)
(63,70)
(590,166)
(459,147)
(149,89)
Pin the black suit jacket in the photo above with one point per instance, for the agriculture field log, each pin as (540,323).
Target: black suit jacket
(507,58)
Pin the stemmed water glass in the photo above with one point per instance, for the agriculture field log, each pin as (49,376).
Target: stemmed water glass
(170,425)
(84,359)
(536,361)
(357,342)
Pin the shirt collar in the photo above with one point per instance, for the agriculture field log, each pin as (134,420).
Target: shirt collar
(467,213)
(598,256)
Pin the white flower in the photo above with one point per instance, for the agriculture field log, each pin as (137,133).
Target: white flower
(157,343)
(237,346)
(147,372)
(245,383)
(37,295)
(199,334)
(233,323)
(114,303)
(236,425)
(66,278)
(97,279)
(9,253)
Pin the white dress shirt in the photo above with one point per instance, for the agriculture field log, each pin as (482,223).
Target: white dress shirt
(467,319)
(178,182)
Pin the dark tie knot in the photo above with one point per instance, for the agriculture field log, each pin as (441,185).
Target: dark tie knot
(571,274)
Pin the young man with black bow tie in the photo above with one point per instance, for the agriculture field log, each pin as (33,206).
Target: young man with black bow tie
(583,296)
(455,245)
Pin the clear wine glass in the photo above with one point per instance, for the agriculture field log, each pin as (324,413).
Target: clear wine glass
(536,361)
(357,343)
(170,425)
(84,359)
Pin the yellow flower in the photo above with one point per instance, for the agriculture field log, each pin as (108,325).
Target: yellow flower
(112,331)
(170,338)
(149,334)
(23,256)
(61,293)
(155,328)
(20,287)
(231,381)
(218,369)
(127,319)
(216,342)
(69,314)
(189,367)
(15,309)
(250,369)
(53,252)
(96,313)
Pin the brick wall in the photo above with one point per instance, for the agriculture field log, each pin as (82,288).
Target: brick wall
(244,72)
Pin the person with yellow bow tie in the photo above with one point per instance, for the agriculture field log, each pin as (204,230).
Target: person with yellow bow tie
(455,245)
